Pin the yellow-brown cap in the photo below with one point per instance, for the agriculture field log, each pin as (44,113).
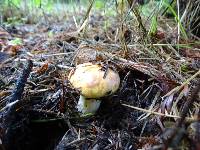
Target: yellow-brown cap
(89,79)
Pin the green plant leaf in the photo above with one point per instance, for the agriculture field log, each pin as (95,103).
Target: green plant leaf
(176,18)
(16,41)
(37,3)
(99,4)
(16,2)
(153,27)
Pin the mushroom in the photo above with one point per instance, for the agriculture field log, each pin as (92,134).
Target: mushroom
(93,83)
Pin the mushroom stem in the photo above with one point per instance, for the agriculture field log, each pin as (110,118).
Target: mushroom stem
(86,106)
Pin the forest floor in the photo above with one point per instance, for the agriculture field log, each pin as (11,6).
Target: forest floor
(157,103)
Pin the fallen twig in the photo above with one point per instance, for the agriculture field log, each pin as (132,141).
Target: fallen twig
(43,63)
(182,86)
(142,67)
(176,136)
(9,105)
(151,112)
(17,93)
(9,112)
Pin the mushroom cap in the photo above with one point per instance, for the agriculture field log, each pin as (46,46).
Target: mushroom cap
(91,81)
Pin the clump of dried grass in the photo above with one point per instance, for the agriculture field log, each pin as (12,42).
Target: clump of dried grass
(192,19)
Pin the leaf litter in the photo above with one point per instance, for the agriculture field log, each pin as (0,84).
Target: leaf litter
(156,106)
